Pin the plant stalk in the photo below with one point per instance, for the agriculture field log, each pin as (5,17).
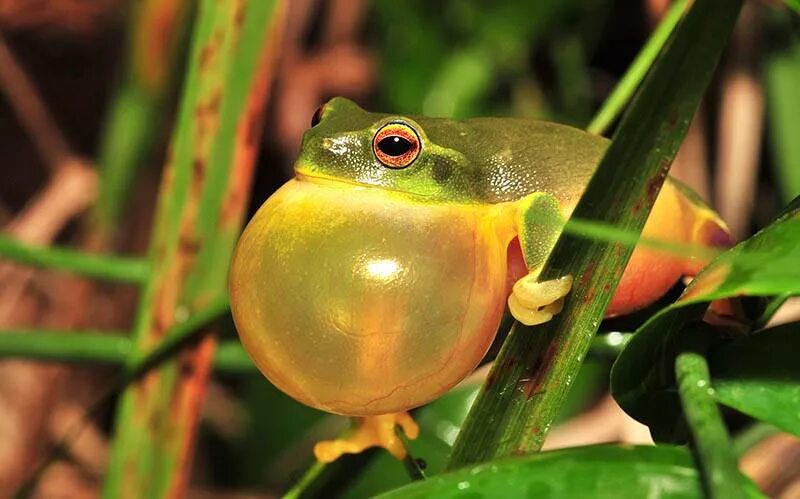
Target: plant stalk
(710,437)
(110,268)
(626,87)
(537,365)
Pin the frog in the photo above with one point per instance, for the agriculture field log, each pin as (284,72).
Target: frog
(375,279)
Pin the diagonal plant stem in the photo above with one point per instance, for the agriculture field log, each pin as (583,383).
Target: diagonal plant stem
(201,205)
(308,478)
(536,366)
(105,347)
(112,268)
(710,437)
(114,347)
(154,59)
(623,92)
(101,347)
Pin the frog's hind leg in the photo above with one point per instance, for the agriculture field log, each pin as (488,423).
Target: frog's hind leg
(539,223)
(370,431)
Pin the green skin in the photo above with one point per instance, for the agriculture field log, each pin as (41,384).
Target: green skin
(509,178)
(541,168)
(479,160)
(473,161)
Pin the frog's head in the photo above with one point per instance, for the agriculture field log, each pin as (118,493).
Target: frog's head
(399,153)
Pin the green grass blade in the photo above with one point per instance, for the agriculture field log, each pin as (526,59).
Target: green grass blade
(105,267)
(100,347)
(536,366)
(138,107)
(198,219)
(622,93)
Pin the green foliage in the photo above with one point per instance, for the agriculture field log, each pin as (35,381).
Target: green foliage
(781,75)
(197,222)
(453,69)
(759,375)
(604,471)
(795,4)
(536,366)
(465,58)
(643,380)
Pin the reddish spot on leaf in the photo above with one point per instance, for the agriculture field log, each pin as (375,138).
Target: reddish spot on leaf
(589,297)
(587,275)
(532,386)
(209,51)
(239,15)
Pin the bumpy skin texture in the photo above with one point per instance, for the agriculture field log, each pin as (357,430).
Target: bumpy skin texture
(362,289)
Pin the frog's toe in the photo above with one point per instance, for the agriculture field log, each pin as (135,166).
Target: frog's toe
(372,431)
(533,302)
(331,450)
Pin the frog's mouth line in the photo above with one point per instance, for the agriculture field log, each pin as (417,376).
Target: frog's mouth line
(323,179)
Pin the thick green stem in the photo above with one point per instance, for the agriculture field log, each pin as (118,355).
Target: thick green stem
(622,93)
(536,366)
(710,437)
(111,268)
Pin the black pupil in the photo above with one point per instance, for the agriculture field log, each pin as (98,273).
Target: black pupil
(394,145)
(317,117)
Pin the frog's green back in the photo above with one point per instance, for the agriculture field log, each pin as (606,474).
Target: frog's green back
(477,160)
(509,158)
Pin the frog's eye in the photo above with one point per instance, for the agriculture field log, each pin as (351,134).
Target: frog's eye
(317,117)
(396,145)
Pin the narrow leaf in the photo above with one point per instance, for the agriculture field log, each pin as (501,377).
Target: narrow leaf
(536,366)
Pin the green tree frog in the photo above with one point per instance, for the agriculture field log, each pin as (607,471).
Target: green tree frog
(375,280)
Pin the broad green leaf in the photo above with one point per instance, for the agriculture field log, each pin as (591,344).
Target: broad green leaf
(642,379)
(760,376)
(603,471)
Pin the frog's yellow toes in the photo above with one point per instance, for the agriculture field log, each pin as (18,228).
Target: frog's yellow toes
(533,302)
(371,431)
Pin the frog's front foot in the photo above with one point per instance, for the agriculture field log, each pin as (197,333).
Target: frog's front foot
(371,431)
(532,302)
